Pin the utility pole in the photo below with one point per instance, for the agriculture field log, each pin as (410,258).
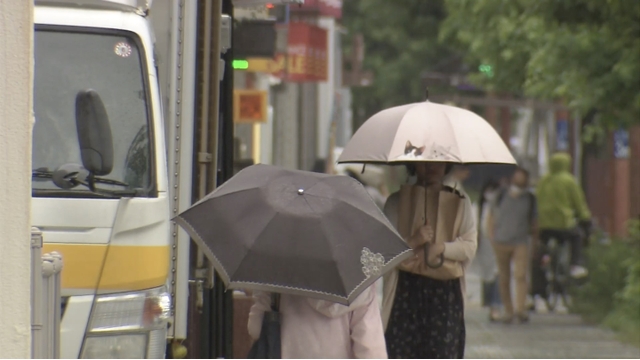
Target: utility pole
(222,311)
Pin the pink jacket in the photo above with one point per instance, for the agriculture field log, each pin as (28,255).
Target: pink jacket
(317,329)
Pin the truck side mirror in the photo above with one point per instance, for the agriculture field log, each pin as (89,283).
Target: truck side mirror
(94,133)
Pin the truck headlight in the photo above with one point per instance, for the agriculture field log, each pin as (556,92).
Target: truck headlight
(128,326)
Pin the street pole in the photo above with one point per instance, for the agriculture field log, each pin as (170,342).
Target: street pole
(222,311)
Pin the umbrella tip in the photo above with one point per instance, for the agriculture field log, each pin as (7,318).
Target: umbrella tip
(300,191)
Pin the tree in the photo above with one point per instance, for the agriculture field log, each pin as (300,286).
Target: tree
(401,39)
(585,52)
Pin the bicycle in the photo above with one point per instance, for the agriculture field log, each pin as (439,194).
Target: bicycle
(557,273)
(557,269)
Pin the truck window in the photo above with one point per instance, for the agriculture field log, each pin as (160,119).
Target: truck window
(111,64)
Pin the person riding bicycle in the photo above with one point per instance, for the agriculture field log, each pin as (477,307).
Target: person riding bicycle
(561,202)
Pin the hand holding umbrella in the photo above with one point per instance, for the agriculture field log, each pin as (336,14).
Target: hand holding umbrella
(427,248)
(435,254)
(424,235)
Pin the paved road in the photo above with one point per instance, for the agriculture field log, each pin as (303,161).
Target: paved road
(546,336)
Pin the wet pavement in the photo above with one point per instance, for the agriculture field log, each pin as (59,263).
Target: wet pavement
(545,336)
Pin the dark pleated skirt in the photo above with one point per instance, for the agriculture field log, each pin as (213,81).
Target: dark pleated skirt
(427,319)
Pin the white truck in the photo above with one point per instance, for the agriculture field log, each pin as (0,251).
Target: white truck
(121,144)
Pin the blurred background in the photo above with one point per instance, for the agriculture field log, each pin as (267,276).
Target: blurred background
(548,75)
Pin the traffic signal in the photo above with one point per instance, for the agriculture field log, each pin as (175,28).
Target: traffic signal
(486,69)
(240,64)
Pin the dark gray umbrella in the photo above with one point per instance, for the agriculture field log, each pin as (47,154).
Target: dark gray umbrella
(295,232)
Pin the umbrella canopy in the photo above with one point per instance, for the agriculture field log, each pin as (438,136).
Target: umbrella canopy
(295,232)
(426,131)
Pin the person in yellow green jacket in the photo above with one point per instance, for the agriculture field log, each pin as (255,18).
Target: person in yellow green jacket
(562,209)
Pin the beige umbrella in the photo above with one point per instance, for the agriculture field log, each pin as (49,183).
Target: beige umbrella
(373,176)
(426,131)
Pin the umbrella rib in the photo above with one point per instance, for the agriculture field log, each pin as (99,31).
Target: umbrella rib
(455,135)
(344,288)
(196,236)
(276,213)
(391,263)
(380,212)
(325,295)
(211,195)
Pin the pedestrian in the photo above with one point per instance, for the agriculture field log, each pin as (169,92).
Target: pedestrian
(423,307)
(561,201)
(319,329)
(485,256)
(512,224)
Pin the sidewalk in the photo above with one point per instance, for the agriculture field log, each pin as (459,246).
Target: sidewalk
(545,336)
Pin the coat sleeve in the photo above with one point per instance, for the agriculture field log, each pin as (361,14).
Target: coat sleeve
(463,248)
(578,201)
(261,304)
(367,333)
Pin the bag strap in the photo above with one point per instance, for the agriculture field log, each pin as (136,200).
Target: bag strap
(532,203)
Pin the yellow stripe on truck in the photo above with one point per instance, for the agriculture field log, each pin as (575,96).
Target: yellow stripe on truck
(127,268)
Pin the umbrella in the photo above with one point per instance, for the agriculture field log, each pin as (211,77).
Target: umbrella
(373,176)
(426,131)
(295,232)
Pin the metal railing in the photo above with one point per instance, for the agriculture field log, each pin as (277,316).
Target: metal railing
(46,300)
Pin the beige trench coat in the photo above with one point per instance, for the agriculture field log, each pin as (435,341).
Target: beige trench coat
(460,239)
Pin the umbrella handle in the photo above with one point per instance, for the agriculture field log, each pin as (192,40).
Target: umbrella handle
(426,246)
(275,302)
(440,263)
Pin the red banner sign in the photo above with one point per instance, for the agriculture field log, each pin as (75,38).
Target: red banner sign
(307,55)
(331,8)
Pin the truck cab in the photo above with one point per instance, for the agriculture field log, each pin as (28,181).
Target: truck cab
(102,201)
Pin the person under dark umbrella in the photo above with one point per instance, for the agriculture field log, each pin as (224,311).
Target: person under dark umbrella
(313,328)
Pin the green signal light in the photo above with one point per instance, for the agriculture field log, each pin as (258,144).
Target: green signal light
(240,64)
(486,69)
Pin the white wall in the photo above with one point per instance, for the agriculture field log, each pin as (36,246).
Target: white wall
(16,122)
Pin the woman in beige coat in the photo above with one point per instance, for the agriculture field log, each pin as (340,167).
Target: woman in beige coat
(423,306)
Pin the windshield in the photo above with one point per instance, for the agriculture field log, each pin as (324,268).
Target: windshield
(111,64)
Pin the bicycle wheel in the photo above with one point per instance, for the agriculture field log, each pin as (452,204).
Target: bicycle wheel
(551,292)
(551,296)
(563,275)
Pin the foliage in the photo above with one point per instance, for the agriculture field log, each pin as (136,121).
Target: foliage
(612,295)
(586,52)
(401,40)
(607,273)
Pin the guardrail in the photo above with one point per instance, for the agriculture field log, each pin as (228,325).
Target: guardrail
(46,300)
